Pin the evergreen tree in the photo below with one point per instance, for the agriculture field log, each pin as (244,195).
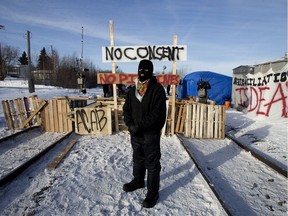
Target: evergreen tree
(23,59)
(44,61)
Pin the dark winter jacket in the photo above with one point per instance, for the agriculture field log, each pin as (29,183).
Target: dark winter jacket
(150,113)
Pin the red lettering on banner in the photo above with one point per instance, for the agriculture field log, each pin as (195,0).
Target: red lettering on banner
(168,79)
(242,90)
(101,78)
(109,78)
(258,101)
(252,89)
(261,99)
(175,80)
(281,98)
(264,100)
(132,78)
(122,77)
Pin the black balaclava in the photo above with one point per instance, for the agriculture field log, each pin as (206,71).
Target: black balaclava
(145,70)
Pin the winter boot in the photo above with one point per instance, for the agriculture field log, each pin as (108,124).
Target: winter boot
(133,185)
(151,199)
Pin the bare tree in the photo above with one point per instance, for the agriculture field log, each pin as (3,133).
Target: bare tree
(8,56)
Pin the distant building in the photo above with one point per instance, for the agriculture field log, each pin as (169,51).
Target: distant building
(19,71)
(264,67)
(275,65)
(43,77)
(243,70)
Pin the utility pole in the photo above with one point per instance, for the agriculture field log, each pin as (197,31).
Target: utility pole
(2,76)
(81,77)
(30,79)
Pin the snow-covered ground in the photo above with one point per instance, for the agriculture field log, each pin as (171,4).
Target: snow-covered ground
(89,180)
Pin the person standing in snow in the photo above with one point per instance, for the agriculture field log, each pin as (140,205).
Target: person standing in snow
(145,115)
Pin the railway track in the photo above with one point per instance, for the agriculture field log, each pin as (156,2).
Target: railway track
(259,156)
(24,149)
(30,136)
(212,174)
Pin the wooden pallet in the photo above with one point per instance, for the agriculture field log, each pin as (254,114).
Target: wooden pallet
(17,111)
(193,119)
(55,118)
(205,121)
(180,117)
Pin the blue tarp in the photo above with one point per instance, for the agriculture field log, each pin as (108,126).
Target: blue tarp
(221,86)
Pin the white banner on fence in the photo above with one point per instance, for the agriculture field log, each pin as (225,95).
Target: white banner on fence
(262,95)
(136,53)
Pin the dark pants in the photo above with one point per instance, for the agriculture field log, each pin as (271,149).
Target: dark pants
(146,155)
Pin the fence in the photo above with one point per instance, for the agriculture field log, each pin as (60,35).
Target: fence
(204,121)
(192,119)
(52,115)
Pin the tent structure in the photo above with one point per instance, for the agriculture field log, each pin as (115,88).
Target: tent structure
(221,86)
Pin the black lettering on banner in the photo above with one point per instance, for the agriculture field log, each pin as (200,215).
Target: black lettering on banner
(178,52)
(151,51)
(159,52)
(235,81)
(261,81)
(268,76)
(264,81)
(119,56)
(109,53)
(165,52)
(276,77)
(127,56)
(145,50)
(283,77)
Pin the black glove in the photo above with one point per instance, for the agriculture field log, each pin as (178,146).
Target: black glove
(133,129)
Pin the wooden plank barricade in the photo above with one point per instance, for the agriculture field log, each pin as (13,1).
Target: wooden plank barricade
(194,120)
(204,121)
(55,118)
(16,112)
(51,114)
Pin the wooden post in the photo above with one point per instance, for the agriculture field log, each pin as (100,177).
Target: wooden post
(187,131)
(114,85)
(173,98)
(34,103)
(7,114)
(14,114)
(20,109)
(167,111)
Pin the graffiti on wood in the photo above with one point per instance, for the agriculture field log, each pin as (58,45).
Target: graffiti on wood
(93,120)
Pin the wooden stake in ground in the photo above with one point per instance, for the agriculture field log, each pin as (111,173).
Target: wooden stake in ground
(173,98)
(62,154)
(114,85)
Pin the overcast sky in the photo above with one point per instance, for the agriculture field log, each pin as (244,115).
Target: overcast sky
(220,35)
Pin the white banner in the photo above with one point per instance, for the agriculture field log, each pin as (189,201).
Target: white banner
(136,53)
(262,95)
